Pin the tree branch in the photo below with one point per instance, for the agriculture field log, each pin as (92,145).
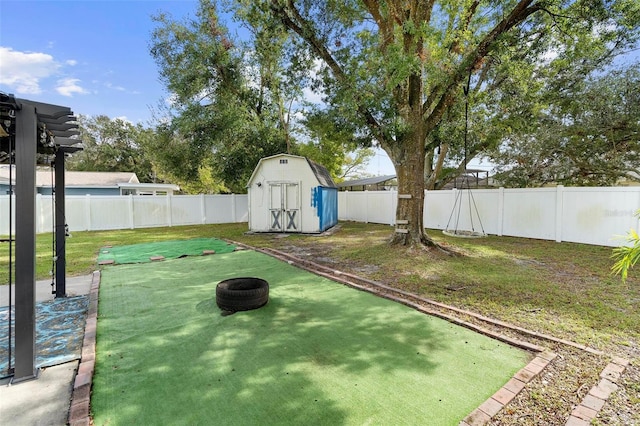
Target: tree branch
(303,28)
(442,98)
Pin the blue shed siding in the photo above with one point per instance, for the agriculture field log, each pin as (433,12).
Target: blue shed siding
(325,200)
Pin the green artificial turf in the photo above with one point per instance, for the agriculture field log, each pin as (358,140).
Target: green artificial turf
(317,353)
(141,253)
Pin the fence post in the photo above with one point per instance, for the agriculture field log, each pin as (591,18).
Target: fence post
(500,211)
(366,206)
(131,222)
(40,217)
(87,209)
(203,210)
(347,213)
(233,208)
(394,198)
(425,213)
(169,210)
(559,212)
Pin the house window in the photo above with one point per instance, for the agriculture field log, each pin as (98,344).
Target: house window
(283,161)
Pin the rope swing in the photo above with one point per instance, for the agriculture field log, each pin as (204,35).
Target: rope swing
(454,230)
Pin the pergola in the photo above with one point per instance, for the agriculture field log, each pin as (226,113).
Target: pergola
(31,132)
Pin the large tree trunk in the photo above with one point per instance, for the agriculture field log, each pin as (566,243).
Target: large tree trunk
(408,159)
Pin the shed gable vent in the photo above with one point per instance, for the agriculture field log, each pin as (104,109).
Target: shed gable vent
(284,161)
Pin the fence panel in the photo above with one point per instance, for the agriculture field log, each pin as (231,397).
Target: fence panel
(185,210)
(107,212)
(582,215)
(5,219)
(462,209)
(150,211)
(219,211)
(599,217)
(77,210)
(381,206)
(529,213)
(241,213)
(368,206)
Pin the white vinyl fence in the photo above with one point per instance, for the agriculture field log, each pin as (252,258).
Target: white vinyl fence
(104,212)
(598,216)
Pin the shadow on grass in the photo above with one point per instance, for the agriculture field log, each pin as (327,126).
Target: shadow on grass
(317,353)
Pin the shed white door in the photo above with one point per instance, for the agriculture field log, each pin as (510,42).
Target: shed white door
(284,207)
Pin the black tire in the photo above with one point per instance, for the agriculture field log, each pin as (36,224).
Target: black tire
(242,294)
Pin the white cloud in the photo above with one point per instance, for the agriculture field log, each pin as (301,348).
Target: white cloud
(118,88)
(123,118)
(310,96)
(72,62)
(69,86)
(23,71)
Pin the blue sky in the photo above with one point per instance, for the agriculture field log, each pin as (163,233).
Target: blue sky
(91,56)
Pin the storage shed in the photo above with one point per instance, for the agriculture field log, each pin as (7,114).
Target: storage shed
(289,193)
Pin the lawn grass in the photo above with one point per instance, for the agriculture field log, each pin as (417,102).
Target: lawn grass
(563,289)
(82,247)
(317,353)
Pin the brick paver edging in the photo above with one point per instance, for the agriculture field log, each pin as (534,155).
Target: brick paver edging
(492,406)
(593,402)
(81,395)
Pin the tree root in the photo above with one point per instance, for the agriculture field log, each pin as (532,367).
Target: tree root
(422,242)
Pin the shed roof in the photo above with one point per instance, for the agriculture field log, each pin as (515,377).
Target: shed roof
(321,173)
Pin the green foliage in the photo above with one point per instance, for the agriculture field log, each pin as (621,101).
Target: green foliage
(396,71)
(112,145)
(331,142)
(588,135)
(626,257)
(228,112)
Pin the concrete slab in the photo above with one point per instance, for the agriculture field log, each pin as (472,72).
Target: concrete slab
(39,402)
(45,400)
(75,286)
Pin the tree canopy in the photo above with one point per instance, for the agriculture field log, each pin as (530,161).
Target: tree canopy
(113,145)
(395,70)
(588,135)
(234,100)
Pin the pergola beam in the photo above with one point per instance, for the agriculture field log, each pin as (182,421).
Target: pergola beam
(30,119)
(25,305)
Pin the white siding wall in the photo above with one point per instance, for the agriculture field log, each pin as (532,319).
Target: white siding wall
(270,171)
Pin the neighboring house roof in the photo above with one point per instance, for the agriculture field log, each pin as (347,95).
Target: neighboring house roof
(150,186)
(71,178)
(43,178)
(366,181)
